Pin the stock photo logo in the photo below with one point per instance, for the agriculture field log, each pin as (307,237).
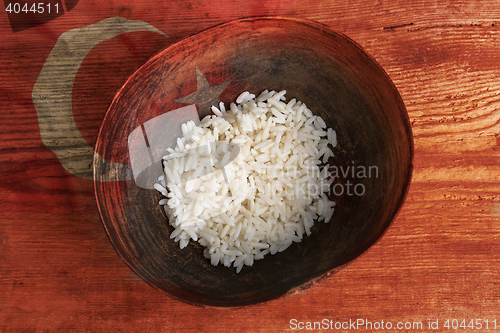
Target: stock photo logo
(149,142)
(335,180)
(353,176)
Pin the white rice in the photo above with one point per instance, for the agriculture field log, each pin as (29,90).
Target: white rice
(263,200)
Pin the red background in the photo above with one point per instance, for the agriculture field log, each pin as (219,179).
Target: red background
(439,260)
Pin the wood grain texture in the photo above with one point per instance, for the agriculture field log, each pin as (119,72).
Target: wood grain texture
(253,55)
(440,258)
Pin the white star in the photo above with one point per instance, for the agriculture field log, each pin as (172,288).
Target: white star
(205,95)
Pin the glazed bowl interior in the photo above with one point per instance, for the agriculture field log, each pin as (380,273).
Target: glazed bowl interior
(327,71)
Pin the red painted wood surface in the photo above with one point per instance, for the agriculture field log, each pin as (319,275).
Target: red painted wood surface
(439,260)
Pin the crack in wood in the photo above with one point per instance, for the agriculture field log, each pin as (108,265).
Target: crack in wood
(398,26)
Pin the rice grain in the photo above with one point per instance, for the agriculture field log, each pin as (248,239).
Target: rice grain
(264,199)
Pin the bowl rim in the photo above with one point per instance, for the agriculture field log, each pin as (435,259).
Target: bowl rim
(311,24)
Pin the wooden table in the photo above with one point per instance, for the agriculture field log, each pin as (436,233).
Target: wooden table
(437,264)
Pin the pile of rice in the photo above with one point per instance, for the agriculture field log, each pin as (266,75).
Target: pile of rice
(263,200)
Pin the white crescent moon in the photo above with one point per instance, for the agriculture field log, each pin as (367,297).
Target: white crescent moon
(52,92)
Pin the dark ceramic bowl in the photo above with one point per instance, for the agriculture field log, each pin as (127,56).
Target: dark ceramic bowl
(320,67)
